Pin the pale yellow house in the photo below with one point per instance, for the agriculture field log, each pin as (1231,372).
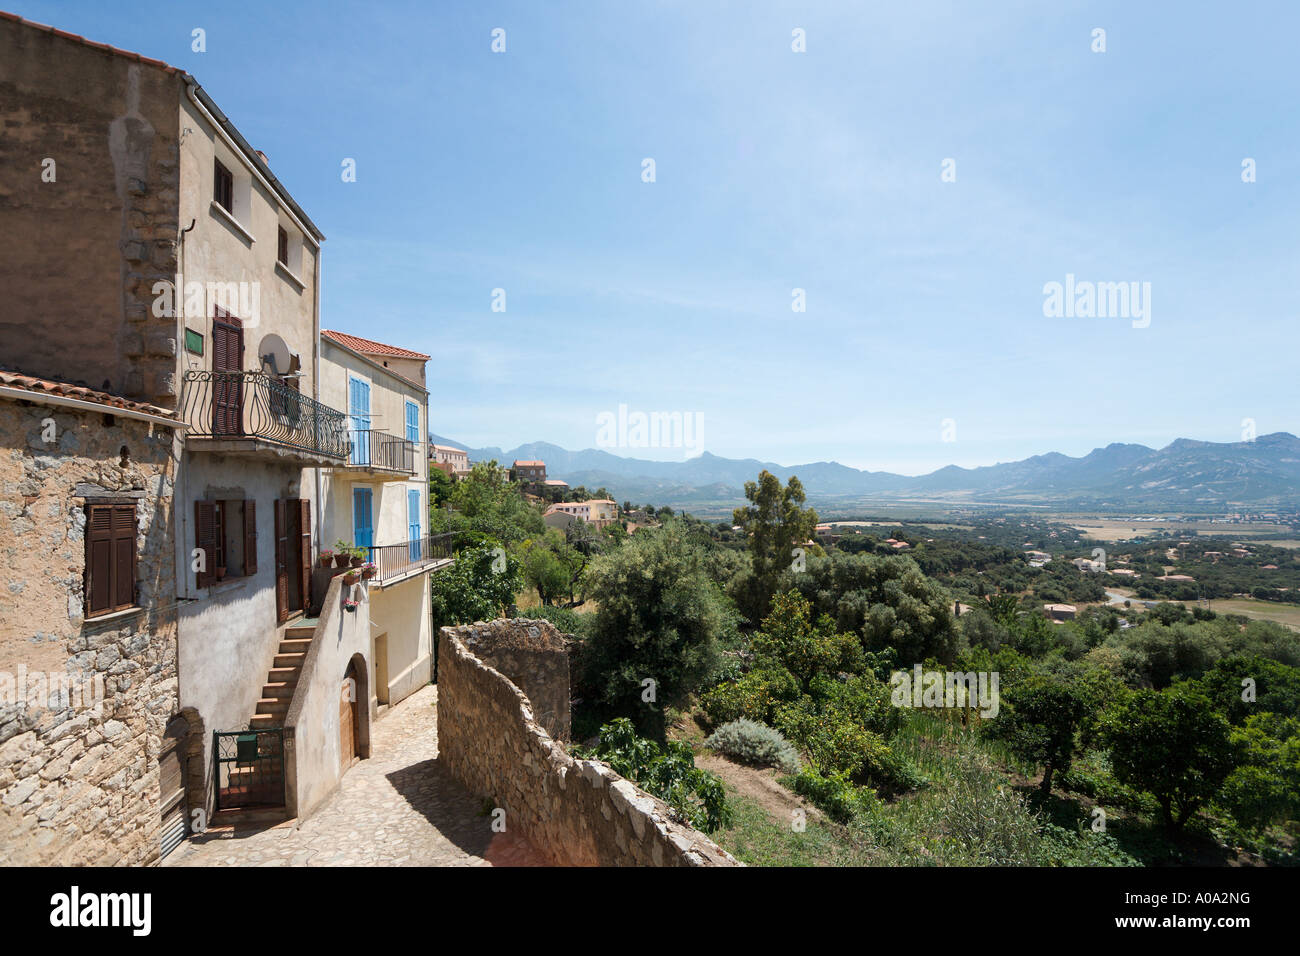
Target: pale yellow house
(379,500)
(598,511)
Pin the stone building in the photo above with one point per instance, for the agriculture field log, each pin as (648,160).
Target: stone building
(92,735)
(151,255)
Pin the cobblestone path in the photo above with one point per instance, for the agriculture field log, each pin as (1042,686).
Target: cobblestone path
(398,808)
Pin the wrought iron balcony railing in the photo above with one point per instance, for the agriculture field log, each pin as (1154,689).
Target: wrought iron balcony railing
(394,560)
(235,405)
(376,449)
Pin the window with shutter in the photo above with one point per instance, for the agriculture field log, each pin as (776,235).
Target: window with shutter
(110,557)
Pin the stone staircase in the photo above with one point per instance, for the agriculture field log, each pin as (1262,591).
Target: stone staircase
(282,679)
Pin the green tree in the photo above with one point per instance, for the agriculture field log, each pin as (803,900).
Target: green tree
(658,618)
(776,523)
(440,487)
(479,586)
(1173,745)
(1039,724)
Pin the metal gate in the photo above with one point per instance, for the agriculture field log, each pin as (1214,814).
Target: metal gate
(250,768)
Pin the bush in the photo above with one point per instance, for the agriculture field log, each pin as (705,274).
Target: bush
(696,796)
(835,795)
(755,743)
(564,619)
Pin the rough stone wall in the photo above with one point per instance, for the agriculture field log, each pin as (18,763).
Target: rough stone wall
(78,782)
(577,812)
(534,656)
(89,197)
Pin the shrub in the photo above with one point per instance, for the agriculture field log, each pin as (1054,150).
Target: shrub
(834,795)
(696,796)
(755,743)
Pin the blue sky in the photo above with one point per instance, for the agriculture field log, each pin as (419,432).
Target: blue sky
(778,170)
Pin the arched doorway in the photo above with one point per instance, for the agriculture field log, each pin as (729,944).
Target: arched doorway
(351,704)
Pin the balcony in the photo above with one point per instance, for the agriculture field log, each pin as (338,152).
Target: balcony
(251,414)
(395,563)
(378,454)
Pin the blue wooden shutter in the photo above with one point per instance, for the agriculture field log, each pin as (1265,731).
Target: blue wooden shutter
(363,531)
(359,409)
(412,422)
(413,521)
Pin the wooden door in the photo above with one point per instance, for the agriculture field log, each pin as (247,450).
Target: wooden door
(227,389)
(281,560)
(292,569)
(304,549)
(348,719)
(172,761)
(381,668)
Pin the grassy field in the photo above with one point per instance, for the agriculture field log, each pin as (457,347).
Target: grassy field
(1122,529)
(1288,614)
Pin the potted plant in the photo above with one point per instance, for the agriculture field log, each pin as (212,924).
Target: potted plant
(350,605)
(342,553)
(221,572)
(326,558)
(369,570)
(351,578)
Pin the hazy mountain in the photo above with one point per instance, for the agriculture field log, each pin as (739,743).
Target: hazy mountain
(1184,475)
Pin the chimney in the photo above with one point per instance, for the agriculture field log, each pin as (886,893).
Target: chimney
(262,156)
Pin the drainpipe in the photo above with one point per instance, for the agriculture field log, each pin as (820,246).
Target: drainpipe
(317,525)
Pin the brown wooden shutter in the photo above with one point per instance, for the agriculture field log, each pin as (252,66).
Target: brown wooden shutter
(250,536)
(304,548)
(281,560)
(99,558)
(205,538)
(123,556)
(227,390)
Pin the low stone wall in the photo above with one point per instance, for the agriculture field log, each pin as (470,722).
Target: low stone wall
(576,812)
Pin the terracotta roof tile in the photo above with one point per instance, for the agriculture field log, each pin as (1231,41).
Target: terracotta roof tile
(44,386)
(371,347)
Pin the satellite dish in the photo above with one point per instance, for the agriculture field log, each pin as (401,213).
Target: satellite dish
(273,352)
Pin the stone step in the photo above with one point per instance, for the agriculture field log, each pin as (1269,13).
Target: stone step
(293,660)
(273,705)
(295,645)
(279,689)
(294,631)
(276,674)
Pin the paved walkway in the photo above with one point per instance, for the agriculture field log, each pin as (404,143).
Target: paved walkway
(398,808)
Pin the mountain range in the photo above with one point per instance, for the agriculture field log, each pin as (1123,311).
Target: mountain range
(1186,475)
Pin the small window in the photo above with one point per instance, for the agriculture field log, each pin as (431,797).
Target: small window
(282,246)
(226,533)
(223,187)
(110,557)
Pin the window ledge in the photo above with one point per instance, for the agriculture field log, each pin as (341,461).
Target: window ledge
(228,584)
(285,271)
(112,616)
(231,221)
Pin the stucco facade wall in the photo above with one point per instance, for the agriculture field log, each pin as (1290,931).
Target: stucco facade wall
(218,252)
(79,777)
(577,812)
(79,256)
(312,723)
(404,613)
(229,635)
